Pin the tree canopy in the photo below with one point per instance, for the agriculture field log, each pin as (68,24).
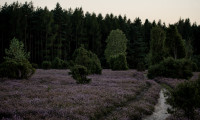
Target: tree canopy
(48,34)
(116,44)
(157,45)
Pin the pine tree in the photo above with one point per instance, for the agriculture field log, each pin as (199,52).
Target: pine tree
(157,45)
(174,43)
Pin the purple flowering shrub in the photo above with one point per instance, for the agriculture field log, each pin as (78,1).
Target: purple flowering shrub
(53,94)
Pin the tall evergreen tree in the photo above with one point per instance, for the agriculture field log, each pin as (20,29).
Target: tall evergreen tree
(174,43)
(137,46)
(156,54)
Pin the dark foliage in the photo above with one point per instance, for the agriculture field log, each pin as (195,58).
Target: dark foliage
(46,64)
(88,59)
(118,62)
(59,32)
(57,63)
(196,59)
(34,65)
(65,65)
(79,73)
(16,69)
(16,64)
(140,66)
(171,68)
(186,97)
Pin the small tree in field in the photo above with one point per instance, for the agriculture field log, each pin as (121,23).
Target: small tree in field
(16,51)
(79,73)
(88,59)
(16,64)
(116,50)
(116,44)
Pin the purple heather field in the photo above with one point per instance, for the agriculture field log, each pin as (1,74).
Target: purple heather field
(53,94)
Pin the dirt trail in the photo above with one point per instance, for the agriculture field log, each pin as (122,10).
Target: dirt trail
(160,112)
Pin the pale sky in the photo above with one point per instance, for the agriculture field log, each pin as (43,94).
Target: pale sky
(169,11)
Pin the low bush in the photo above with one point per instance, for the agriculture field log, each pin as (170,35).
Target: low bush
(65,64)
(118,62)
(79,73)
(171,68)
(46,64)
(34,65)
(57,63)
(16,69)
(186,97)
(88,59)
(196,60)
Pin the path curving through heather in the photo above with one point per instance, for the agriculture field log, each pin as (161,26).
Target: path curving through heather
(161,107)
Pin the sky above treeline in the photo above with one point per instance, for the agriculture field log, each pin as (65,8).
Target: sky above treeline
(168,11)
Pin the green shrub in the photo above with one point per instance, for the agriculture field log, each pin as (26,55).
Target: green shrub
(118,62)
(71,64)
(79,73)
(46,64)
(140,66)
(16,69)
(196,60)
(57,63)
(88,59)
(185,97)
(16,64)
(65,65)
(34,65)
(171,68)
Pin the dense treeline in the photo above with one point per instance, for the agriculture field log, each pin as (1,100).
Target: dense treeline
(59,32)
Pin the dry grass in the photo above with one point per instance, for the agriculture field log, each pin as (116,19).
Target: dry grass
(53,94)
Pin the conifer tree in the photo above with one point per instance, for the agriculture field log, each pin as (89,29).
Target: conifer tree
(157,45)
(174,43)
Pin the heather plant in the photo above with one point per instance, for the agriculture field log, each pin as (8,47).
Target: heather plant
(171,68)
(88,59)
(16,64)
(118,62)
(46,64)
(79,73)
